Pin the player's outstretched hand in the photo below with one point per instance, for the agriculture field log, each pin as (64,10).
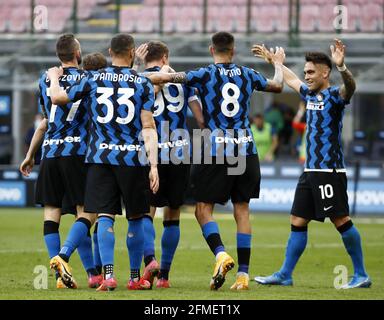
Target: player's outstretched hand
(338,52)
(54,72)
(26,166)
(260,51)
(154,179)
(278,56)
(140,53)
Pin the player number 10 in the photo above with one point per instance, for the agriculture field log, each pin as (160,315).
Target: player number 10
(326,191)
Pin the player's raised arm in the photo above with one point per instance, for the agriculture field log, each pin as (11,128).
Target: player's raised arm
(57,94)
(338,53)
(37,139)
(151,146)
(161,77)
(140,54)
(290,78)
(277,59)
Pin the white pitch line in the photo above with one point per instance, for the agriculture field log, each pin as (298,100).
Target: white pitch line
(202,247)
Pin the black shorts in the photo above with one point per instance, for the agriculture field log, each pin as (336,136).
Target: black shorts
(173,185)
(211,183)
(321,194)
(108,184)
(67,207)
(61,176)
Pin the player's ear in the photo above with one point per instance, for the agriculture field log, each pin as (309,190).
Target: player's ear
(212,50)
(110,51)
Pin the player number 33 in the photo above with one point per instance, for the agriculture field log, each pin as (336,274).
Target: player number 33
(123,100)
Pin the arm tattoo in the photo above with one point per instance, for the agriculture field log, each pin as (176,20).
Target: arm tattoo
(179,77)
(349,86)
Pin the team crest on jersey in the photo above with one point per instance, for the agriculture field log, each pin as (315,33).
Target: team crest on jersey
(319,97)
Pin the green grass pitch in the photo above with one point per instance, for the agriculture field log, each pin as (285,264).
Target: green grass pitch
(22,248)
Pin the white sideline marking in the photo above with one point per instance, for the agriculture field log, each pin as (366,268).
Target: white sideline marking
(202,247)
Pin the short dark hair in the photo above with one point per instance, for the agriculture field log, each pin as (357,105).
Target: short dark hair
(94,61)
(223,42)
(121,43)
(258,115)
(66,46)
(156,50)
(319,58)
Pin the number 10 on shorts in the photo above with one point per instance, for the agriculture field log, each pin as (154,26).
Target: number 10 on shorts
(326,191)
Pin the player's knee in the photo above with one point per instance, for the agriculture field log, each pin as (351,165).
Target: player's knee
(339,221)
(298,221)
(52,214)
(171,213)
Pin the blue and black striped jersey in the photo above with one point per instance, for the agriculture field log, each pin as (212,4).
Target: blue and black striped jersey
(325,111)
(67,124)
(170,114)
(225,91)
(116,97)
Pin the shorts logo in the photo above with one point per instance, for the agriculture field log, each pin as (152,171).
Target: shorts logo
(327,208)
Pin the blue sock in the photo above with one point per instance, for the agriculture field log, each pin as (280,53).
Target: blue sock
(169,242)
(243,251)
(106,240)
(86,255)
(295,247)
(96,251)
(52,238)
(76,235)
(212,236)
(135,242)
(352,243)
(149,239)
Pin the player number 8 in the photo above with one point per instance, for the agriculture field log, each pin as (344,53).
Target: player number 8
(230,99)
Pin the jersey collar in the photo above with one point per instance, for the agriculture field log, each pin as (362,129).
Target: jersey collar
(152,69)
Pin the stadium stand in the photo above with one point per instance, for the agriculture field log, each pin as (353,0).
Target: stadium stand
(359,148)
(266,15)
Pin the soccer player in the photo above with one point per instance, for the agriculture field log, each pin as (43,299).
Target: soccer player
(225,90)
(61,180)
(121,104)
(93,62)
(171,106)
(322,189)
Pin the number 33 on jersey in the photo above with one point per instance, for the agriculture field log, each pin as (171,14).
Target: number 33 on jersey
(116,96)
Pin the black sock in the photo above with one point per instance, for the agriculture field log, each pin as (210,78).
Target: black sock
(64,257)
(108,271)
(99,269)
(92,272)
(345,227)
(215,243)
(148,259)
(164,274)
(135,273)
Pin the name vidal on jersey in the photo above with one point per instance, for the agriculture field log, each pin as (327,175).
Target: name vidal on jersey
(61,141)
(114,77)
(317,106)
(230,72)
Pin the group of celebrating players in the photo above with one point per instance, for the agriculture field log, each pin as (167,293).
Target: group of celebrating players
(113,137)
